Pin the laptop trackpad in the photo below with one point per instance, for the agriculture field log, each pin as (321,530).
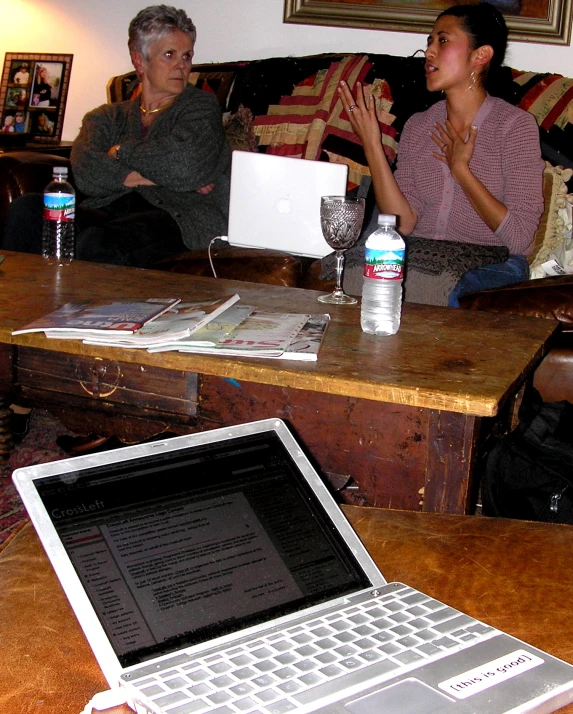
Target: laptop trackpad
(408,697)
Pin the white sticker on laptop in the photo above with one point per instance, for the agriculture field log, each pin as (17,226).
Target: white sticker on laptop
(489,674)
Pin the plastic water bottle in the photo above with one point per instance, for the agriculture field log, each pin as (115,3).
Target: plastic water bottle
(59,215)
(383,276)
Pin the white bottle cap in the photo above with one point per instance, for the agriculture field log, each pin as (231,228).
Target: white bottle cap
(60,171)
(385,219)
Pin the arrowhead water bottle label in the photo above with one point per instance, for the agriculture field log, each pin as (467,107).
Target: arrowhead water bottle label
(384,264)
(59,207)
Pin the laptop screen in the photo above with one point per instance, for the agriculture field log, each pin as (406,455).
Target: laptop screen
(186,546)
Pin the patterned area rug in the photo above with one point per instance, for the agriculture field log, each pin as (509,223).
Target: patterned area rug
(37,447)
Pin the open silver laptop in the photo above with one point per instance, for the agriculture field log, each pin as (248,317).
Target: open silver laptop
(275,202)
(215,573)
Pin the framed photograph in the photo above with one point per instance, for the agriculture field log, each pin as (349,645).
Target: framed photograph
(543,21)
(33,96)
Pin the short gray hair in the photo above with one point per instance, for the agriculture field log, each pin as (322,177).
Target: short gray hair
(153,23)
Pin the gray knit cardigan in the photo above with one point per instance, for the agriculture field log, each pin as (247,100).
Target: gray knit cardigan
(184,149)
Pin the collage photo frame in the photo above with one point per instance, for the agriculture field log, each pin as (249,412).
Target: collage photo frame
(33,95)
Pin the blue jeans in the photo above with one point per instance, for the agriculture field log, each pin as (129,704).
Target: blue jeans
(514,270)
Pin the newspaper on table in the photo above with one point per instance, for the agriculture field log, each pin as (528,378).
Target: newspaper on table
(273,335)
(222,327)
(307,343)
(261,334)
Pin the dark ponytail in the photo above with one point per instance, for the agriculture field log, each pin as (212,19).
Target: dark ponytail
(485,25)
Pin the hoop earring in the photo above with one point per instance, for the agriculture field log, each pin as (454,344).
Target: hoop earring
(473,82)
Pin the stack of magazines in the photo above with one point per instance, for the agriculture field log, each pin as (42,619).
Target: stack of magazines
(221,326)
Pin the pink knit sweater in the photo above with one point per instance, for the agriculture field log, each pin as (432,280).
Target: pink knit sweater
(506,159)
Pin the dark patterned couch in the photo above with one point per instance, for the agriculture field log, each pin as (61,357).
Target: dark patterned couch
(289,105)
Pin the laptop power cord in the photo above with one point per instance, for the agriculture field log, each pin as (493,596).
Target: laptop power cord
(106,700)
(226,239)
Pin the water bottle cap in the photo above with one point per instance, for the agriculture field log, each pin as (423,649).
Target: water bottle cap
(385,219)
(60,171)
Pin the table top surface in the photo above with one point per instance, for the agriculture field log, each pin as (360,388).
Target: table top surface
(488,567)
(454,360)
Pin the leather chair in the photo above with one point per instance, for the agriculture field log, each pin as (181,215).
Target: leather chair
(546,298)
(24,172)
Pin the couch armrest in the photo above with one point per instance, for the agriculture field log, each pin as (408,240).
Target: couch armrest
(255,265)
(550,298)
(24,172)
(553,378)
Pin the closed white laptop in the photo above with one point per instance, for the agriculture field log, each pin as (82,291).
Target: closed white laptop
(215,573)
(275,202)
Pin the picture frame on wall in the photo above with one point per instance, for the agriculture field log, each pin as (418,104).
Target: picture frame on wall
(33,95)
(542,21)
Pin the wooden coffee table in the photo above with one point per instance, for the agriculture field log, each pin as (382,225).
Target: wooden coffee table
(488,567)
(404,415)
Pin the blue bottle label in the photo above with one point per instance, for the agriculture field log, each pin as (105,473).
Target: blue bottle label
(59,206)
(384,264)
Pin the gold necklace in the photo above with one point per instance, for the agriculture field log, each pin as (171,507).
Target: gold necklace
(143,110)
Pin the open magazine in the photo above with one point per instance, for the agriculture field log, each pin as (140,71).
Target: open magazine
(183,320)
(211,333)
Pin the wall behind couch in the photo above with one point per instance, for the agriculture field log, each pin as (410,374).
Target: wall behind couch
(95,32)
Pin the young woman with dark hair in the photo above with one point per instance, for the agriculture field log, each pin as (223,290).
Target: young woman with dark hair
(469,168)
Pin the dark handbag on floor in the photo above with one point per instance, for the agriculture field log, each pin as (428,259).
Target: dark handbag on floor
(529,472)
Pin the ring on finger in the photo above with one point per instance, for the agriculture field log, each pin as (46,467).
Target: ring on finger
(352,107)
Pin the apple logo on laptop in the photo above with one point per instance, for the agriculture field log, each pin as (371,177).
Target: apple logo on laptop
(284,205)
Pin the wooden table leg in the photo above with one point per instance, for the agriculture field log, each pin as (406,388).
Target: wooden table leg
(452,454)
(6,438)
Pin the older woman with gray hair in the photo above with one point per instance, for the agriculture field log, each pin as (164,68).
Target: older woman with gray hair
(155,170)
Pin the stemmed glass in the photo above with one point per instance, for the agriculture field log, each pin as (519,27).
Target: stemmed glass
(341,220)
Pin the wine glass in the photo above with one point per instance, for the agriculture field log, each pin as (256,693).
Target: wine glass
(341,220)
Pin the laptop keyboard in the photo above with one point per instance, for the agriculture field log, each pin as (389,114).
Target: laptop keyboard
(300,666)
